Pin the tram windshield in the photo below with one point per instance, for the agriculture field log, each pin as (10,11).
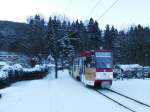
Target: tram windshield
(103,60)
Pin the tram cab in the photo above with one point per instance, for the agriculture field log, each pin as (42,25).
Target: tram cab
(94,68)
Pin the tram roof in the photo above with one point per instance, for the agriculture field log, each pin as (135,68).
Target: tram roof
(88,53)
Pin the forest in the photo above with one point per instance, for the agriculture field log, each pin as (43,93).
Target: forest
(64,39)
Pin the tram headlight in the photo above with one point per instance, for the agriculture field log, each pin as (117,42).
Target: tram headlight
(108,75)
(104,75)
(98,75)
(111,76)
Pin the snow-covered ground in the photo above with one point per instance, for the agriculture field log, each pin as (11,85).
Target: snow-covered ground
(136,88)
(64,95)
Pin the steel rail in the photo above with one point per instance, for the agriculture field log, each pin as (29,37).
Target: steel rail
(129,98)
(115,101)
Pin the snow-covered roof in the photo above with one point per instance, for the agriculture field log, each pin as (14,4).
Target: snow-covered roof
(128,66)
(3,63)
(7,53)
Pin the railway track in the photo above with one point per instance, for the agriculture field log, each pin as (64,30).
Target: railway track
(147,105)
(136,106)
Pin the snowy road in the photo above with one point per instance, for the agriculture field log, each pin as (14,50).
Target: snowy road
(54,95)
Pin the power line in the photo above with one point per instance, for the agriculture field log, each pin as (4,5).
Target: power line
(92,10)
(107,9)
(100,16)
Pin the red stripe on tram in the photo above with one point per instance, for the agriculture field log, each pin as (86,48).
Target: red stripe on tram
(104,69)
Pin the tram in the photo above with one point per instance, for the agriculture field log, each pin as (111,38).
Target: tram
(94,68)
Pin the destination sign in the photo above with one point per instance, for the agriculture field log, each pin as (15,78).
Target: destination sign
(103,54)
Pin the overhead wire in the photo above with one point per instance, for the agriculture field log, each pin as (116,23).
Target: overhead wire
(67,8)
(92,10)
(109,8)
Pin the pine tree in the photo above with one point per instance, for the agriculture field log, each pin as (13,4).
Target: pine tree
(53,34)
(94,35)
(83,37)
(38,35)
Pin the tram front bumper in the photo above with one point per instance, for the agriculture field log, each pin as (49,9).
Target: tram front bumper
(104,75)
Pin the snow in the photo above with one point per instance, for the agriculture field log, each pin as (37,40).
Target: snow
(17,67)
(2,63)
(6,67)
(3,69)
(127,102)
(54,95)
(135,88)
(7,53)
(3,74)
(36,68)
(129,66)
(65,94)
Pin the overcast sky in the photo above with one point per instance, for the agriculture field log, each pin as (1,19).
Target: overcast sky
(124,12)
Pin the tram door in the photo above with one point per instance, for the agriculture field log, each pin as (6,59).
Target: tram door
(89,69)
(82,68)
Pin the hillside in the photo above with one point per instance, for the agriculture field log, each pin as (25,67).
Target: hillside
(10,33)
(21,37)
(10,29)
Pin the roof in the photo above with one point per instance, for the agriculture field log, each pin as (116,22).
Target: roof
(129,66)
(88,53)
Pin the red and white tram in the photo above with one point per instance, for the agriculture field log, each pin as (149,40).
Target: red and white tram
(94,68)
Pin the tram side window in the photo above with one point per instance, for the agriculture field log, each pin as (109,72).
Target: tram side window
(73,67)
(81,66)
(76,64)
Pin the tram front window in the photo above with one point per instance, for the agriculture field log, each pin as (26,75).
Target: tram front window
(89,62)
(103,62)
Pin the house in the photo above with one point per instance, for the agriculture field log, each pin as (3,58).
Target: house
(127,70)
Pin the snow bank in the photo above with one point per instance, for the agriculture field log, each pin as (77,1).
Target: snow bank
(4,67)
(36,68)
(10,74)
(17,67)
